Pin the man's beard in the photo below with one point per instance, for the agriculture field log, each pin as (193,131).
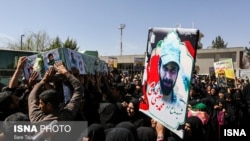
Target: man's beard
(166,90)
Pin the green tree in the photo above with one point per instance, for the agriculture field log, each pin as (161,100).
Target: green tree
(70,43)
(42,42)
(218,43)
(56,43)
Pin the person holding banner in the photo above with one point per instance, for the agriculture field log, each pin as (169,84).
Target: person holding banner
(44,104)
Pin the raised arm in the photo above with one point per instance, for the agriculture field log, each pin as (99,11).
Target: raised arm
(14,79)
(70,110)
(35,114)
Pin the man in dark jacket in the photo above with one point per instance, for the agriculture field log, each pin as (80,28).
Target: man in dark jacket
(44,106)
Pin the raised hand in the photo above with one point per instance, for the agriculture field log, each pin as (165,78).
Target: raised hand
(61,69)
(20,64)
(48,75)
(21,61)
(33,79)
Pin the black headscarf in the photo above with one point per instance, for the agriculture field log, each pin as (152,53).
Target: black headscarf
(196,128)
(138,119)
(146,134)
(128,125)
(136,103)
(119,134)
(96,132)
(246,96)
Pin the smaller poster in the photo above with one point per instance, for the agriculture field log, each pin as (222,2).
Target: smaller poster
(102,67)
(211,73)
(245,73)
(75,60)
(50,57)
(34,63)
(224,72)
(112,62)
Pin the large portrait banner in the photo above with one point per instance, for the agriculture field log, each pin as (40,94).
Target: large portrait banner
(167,74)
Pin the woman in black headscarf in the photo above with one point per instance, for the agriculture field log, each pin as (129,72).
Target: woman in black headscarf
(246,97)
(128,125)
(146,134)
(193,130)
(241,107)
(135,116)
(95,133)
(230,115)
(119,134)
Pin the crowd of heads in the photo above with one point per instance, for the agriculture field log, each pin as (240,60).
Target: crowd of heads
(110,104)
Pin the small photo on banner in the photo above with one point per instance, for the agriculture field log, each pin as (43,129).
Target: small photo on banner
(50,57)
(34,63)
(167,74)
(211,73)
(224,72)
(75,60)
(102,67)
(112,62)
(105,67)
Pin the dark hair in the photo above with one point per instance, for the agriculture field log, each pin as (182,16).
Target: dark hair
(18,116)
(115,71)
(118,86)
(130,88)
(128,125)
(50,96)
(136,103)
(96,132)
(9,122)
(5,100)
(50,54)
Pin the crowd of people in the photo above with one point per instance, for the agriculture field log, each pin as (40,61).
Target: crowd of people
(110,105)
